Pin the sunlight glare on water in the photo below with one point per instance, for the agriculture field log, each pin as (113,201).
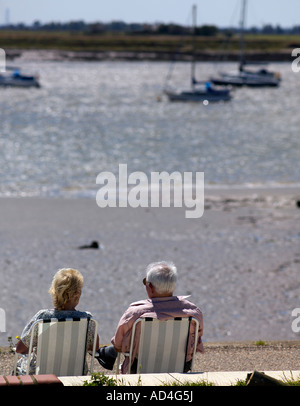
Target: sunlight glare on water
(90,116)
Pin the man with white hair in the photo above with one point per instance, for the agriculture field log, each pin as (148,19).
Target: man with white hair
(160,283)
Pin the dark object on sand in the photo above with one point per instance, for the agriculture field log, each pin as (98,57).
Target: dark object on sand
(106,356)
(94,244)
(261,379)
(298,204)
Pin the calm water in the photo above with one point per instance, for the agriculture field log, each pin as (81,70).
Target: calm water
(88,117)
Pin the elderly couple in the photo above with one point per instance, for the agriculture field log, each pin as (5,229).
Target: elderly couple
(160,282)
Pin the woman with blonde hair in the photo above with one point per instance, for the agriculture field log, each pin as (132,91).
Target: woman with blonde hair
(65,291)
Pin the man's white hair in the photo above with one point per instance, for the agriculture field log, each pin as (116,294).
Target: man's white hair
(163,276)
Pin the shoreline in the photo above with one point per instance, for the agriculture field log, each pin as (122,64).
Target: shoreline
(210,190)
(208,56)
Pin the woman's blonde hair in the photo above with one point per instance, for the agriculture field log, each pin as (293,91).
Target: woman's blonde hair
(66,283)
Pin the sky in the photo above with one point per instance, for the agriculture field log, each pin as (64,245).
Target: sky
(222,13)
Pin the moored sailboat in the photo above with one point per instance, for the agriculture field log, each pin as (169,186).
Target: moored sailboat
(18,79)
(201,91)
(246,77)
(206,93)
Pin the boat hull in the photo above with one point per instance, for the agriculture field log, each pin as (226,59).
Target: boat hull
(199,96)
(246,80)
(11,81)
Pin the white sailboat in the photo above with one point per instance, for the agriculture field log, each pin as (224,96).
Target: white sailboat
(246,77)
(201,91)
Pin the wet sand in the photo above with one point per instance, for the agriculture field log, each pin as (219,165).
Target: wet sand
(240,262)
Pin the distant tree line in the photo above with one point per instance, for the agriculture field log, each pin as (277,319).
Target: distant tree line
(138,28)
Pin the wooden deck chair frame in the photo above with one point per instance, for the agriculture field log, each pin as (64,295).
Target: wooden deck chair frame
(61,346)
(162,344)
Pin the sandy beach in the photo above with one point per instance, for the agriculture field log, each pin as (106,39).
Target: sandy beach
(240,262)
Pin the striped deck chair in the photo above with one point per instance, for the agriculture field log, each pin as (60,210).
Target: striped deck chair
(61,346)
(162,344)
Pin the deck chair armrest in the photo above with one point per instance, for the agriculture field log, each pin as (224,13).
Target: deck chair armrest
(16,357)
(118,361)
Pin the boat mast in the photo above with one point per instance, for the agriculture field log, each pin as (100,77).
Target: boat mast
(193,79)
(242,27)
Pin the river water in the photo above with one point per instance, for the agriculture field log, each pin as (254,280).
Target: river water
(89,117)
